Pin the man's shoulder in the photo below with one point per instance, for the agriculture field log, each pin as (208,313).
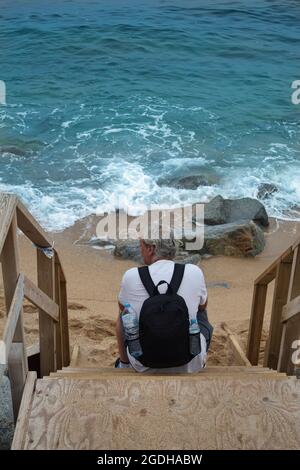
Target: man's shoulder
(130,275)
(193,269)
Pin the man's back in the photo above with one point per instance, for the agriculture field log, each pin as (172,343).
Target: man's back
(192,289)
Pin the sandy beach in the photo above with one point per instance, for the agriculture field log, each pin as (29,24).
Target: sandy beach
(94,278)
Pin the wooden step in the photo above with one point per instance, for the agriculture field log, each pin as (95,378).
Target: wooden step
(94,373)
(209,367)
(238,411)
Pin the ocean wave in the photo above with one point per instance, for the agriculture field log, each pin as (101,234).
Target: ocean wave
(127,187)
(114,99)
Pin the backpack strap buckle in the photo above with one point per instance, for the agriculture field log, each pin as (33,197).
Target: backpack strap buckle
(173,286)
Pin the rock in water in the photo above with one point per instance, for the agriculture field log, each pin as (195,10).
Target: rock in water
(265,190)
(234,239)
(188,182)
(221,211)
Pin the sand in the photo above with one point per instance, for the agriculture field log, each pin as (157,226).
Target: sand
(94,277)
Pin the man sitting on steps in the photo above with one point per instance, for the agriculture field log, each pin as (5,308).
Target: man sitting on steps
(166,297)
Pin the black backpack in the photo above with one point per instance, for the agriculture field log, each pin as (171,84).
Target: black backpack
(164,323)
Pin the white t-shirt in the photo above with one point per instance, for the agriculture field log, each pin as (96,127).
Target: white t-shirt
(192,289)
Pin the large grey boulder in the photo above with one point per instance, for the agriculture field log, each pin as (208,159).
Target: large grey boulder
(244,238)
(215,212)
(6,412)
(128,249)
(221,211)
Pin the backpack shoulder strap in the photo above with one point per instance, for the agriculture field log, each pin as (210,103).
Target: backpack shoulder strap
(177,276)
(147,280)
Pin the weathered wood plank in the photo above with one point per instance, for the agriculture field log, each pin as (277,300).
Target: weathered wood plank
(75,355)
(33,349)
(236,348)
(58,326)
(17,371)
(45,274)
(64,324)
(209,369)
(247,412)
(294,288)
(290,309)
(13,315)
(291,333)
(57,261)
(25,408)
(30,227)
(270,272)
(10,272)
(256,322)
(130,375)
(291,327)
(41,300)
(7,211)
(281,287)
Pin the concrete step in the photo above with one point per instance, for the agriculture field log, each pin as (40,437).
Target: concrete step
(135,411)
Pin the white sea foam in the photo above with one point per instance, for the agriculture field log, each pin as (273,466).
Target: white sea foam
(58,206)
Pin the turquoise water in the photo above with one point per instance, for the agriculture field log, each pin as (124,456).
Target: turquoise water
(104,97)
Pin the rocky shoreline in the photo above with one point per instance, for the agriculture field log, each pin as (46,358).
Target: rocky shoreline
(232,227)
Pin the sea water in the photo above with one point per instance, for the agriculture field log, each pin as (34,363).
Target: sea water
(107,98)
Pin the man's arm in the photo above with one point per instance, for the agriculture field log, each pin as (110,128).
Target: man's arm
(203,306)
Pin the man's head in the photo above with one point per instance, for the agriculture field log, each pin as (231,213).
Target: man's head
(155,249)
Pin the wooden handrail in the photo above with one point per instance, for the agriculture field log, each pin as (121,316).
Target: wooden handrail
(291,309)
(7,211)
(285,316)
(270,272)
(50,297)
(13,315)
(30,227)
(37,297)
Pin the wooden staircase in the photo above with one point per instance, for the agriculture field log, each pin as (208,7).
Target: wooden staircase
(236,407)
(220,408)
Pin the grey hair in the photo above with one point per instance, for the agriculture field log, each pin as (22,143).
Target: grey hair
(164,247)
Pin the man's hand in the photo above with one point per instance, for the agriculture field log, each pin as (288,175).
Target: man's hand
(203,306)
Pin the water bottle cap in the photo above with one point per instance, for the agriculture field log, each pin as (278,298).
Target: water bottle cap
(126,304)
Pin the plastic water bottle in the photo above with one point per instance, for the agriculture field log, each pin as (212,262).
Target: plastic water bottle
(195,347)
(131,330)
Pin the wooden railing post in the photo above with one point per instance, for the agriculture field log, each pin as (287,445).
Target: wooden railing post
(291,325)
(281,287)
(256,322)
(64,323)
(58,326)
(17,362)
(46,282)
